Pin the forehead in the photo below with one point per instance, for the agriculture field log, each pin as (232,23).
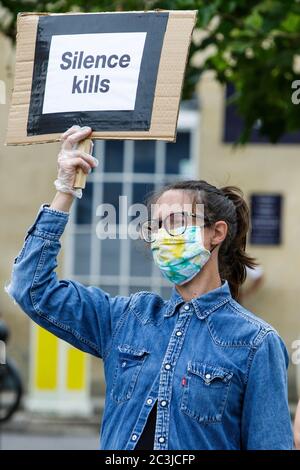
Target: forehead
(173,200)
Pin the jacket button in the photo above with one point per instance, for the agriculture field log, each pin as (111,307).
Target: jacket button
(168,366)
(134,437)
(149,401)
(207,376)
(186,307)
(161,439)
(163,403)
(178,333)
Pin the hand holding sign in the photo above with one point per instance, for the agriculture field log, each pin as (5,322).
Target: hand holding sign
(71,158)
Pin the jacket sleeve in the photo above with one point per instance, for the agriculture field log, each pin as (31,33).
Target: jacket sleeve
(86,317)
(266,421)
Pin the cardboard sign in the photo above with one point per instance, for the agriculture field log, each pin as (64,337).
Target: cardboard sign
(119,73)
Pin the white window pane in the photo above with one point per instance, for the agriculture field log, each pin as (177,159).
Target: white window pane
(82,254)
(113,290)
(176,152)
(144,156)
(114,156)
(165,292)
(110,256)
(134,289)
(111,193)
(141,191)
(83,214)
(140,258)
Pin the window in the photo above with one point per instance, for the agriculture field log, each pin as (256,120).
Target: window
(234,124)
(131,168)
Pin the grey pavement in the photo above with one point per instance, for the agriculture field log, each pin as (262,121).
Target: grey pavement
(18,441)
(29,431)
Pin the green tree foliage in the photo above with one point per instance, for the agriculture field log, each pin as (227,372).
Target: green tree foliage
(254,44)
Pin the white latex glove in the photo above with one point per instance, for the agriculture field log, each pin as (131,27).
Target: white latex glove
(70,158)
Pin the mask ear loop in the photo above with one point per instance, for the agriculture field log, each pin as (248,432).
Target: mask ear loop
(205,225)
(213,248)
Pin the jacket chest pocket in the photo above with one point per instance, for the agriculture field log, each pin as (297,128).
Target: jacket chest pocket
(205,392)
(129,364)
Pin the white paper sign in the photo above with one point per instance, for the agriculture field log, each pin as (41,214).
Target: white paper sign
(93,72)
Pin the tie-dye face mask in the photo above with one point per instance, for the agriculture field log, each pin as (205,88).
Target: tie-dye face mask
(180,257)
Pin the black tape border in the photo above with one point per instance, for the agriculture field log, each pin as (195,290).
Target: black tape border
(139,119)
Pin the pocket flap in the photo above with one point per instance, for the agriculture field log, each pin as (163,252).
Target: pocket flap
(209,372)
(132,351)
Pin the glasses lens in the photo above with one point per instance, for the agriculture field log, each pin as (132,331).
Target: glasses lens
(149,230)
(175,223)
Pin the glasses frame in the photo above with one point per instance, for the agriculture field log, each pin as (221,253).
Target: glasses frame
(186,213)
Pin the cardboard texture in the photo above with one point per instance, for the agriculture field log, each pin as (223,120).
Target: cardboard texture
(167,94)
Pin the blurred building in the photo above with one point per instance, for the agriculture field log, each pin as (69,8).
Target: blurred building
(203,149)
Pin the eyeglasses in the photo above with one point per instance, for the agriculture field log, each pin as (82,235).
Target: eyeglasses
(174,223)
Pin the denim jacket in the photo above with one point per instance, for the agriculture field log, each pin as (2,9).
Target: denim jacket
(217,372)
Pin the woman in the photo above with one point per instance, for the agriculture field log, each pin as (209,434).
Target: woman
(198,371)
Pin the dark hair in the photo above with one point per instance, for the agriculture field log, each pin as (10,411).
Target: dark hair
(226,204)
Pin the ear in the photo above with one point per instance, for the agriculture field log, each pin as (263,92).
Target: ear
(218,232)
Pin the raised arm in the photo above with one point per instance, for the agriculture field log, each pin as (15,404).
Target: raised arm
(83,316)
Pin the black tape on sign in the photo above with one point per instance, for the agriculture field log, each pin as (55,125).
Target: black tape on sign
(138,119)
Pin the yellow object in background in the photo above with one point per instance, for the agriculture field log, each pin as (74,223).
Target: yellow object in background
(46,360)
(75,369)
(60,379)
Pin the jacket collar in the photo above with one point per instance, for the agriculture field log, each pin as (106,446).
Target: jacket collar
(204,304)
